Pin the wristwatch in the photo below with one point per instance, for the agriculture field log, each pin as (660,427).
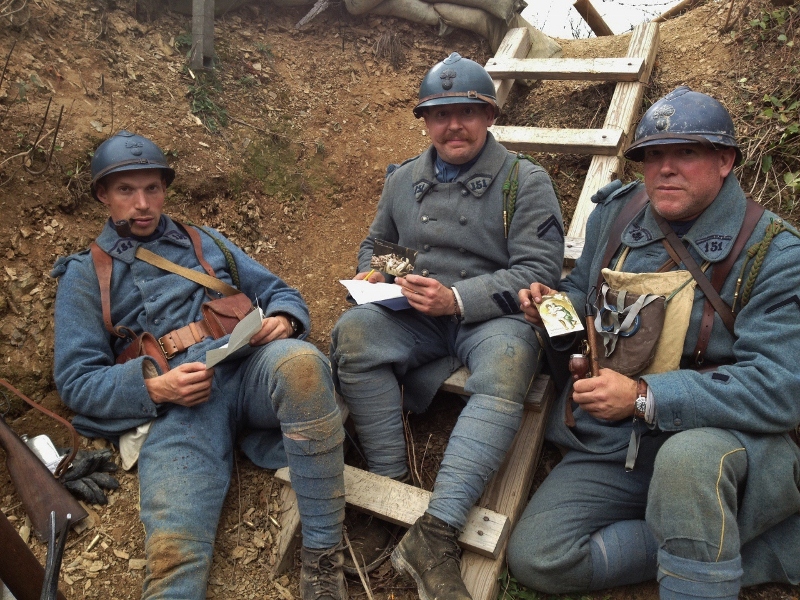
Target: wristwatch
(295,325)
(640,404)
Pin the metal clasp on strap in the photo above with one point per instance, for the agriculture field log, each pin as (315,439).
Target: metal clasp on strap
(170,354)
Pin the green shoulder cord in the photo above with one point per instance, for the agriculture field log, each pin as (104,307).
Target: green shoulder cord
(510,189)
(224,249)
(756,253)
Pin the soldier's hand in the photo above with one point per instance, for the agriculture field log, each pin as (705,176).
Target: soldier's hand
(188,384)
(88,475)
(608,396)
(529,298)
(374,276)
(427,295)
(272,328)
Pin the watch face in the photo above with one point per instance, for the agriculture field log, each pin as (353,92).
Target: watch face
(640,406)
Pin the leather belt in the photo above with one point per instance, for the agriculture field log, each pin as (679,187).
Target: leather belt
(178,340)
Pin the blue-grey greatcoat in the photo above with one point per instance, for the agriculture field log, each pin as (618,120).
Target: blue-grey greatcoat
(457,229)
(755,395)
(280,395)
(110,399)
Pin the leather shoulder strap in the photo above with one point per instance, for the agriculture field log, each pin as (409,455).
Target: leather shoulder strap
(720,273)
(103,265)
(198,247)
(630,210)
(203,279)
(724,311)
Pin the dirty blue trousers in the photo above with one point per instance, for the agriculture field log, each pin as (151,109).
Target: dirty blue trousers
(371,346)
(186,462)
(592,526)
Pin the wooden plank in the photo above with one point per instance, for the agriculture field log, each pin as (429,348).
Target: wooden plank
(508,493)
(516,44)
(458,379)
(565,141)
(622,113)
(573,69)
(593,19)
(573,247)
(485,533)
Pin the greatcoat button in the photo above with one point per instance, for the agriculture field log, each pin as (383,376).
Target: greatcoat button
(426,247)
(425,218)
(425,272)
(464,192)
(463,220)
(463,273)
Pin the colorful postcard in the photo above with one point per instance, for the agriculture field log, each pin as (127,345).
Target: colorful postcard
(559,315)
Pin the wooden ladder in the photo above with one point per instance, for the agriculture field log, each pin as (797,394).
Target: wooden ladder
(485,537)
(605,145)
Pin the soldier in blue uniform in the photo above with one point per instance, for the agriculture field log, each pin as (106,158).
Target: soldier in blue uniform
(711,503)
(280,396)
(475,247)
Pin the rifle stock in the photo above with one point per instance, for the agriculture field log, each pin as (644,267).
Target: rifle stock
(19,569)
(38,490)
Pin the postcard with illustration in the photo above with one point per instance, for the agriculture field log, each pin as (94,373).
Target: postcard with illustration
(392,259)
(558,315)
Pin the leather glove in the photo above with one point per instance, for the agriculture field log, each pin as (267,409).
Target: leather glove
(89,475)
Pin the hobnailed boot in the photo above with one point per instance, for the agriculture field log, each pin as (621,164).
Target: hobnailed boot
(429,553)
(321,576)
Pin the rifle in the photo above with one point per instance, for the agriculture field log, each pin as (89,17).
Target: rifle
(38,490)
(19,569)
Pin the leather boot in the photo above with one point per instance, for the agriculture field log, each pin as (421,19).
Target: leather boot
(429,553)
(321,576)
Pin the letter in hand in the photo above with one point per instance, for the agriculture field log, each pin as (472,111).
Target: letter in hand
(427,295)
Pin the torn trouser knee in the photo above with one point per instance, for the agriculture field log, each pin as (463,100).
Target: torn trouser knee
(476,449)
(316,465)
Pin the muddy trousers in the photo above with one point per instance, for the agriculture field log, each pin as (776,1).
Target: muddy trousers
(592,526)
(372,347)
(186,463)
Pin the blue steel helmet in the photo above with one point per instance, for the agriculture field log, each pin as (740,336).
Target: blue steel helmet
(456,80)
(681,117)
(126,151)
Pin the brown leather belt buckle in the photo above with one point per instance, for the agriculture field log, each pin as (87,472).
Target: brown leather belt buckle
(170,354)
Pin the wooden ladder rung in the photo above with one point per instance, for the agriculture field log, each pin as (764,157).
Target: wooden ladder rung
(573,69)
(605,142)
(485,533)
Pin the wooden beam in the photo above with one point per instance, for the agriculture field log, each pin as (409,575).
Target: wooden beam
(485,533)
(564,141)
(622,113)
(515,44)
(593,19)
(507,493)
(573,247)
(573,69)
